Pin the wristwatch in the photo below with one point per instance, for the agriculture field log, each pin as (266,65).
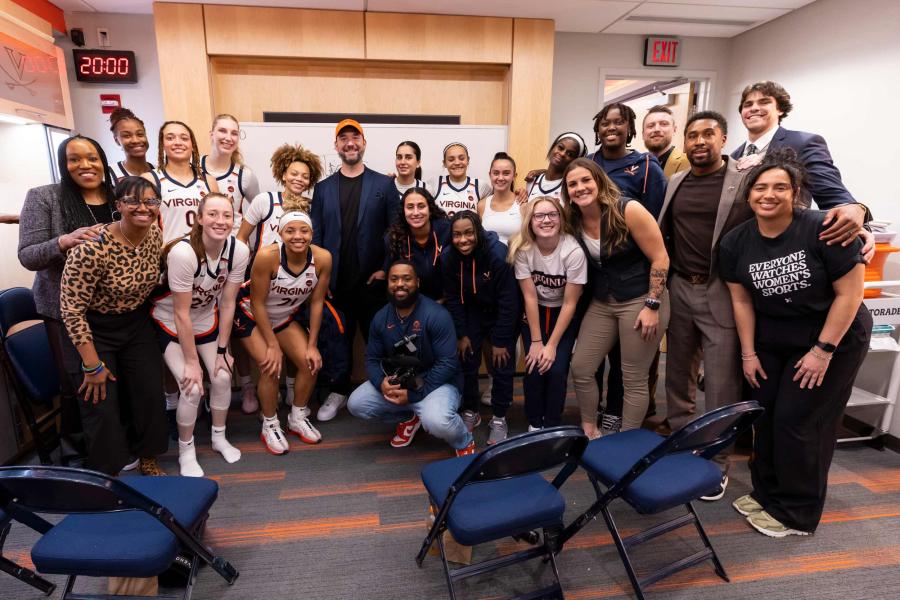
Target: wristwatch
(652,303)
(825,346)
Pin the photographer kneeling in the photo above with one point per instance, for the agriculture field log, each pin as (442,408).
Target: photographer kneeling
(414,375)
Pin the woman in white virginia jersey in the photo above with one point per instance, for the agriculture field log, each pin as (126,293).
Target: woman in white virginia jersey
(225,163)
(457,191)
(283,278)
(180,180)
(204,272)
(296,169)
(129,134)
(548,182)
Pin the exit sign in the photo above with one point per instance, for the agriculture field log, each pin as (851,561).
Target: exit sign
(662,52)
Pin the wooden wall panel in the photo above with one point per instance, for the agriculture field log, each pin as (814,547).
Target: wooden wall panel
(530,82)
(247,87)
(284,32)
(184,66)
(441,38)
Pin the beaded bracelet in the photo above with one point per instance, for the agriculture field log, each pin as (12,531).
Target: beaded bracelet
(748,356)
(93,370)
(817,355)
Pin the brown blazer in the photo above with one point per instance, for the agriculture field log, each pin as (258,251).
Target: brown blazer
(678,161)
(732,212)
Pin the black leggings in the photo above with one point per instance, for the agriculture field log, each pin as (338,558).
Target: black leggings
(795,437)
(127,343)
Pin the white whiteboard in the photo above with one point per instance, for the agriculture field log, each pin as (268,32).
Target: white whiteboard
(259,141)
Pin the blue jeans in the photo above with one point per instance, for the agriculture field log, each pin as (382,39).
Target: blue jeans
(437,411)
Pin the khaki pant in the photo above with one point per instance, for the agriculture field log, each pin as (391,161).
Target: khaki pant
(604,324)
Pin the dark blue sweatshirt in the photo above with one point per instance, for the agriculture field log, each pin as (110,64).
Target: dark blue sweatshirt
(481,290)
(436,344)
(637,175)
(426,259)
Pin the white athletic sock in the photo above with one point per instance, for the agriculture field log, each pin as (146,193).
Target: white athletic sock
(223,447)
(299,412)
(187,459)
(289,386)
(171,401)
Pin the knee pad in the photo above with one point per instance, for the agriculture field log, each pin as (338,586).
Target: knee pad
(220,391)
(188,404)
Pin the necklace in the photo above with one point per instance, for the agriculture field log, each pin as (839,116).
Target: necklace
(133,245)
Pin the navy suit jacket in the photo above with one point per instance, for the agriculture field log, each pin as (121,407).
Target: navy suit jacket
(379,202)
(823,180)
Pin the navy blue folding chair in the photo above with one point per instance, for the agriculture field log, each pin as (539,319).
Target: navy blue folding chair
(19,572)
(653,474)
(129,527)
(28,363)
(500,493)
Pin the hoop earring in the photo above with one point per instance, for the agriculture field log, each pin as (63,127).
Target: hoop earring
(116,215)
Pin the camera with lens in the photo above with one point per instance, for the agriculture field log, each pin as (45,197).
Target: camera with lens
(403,365)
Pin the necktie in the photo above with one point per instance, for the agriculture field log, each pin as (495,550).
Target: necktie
(751,150)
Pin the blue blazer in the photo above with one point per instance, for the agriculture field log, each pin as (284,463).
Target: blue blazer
(823,180)
(378,205)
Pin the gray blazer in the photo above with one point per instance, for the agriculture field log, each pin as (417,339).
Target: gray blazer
(732,212)
(40,225)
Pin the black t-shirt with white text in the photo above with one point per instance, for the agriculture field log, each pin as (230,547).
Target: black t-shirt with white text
(790,275)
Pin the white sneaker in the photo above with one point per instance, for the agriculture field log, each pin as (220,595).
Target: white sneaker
(132,465)
(533,428)
(273,437)
(302,427)
(329,409)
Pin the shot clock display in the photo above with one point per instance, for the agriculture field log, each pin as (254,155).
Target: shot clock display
(105,66)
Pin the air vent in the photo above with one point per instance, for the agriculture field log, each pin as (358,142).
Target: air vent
(728,22)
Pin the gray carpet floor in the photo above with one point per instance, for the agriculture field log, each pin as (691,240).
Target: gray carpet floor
(345,518)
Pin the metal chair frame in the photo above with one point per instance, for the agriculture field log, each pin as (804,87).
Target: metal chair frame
(516,456)
(705,436)
(26,491)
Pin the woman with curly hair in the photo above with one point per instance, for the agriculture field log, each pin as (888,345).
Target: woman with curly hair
(296,169)
(419,234)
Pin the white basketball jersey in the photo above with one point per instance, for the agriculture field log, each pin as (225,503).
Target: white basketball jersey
(287,291)
(543,187)
(453,200)
(209,281)
(264,213)
(229,184)
(403,187)
(178,210)
(118,171)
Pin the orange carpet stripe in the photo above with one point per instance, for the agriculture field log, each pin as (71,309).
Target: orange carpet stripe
(293,530)
(256,446)
(384,489)
(703,576)
(247,477)
(880,481)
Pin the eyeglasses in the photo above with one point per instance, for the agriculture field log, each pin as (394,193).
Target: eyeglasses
(545,216)
(132,202)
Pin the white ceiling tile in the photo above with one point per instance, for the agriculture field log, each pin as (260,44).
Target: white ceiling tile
(697,11)
(570,15)
(788,4)
(682,29)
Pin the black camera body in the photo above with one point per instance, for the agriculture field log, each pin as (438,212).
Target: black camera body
(403,365)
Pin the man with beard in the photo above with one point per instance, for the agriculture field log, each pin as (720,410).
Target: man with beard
(419,331)
(350,210)
(658,129)
(698,210)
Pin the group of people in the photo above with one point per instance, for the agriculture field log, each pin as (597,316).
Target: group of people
(144,273)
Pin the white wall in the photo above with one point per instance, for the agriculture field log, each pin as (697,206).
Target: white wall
(581,59)
(144,98)
(26,164)
(840,61)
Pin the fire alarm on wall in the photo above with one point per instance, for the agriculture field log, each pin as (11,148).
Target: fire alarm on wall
(110,102)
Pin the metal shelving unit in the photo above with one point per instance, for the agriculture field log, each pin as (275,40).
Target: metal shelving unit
(885,310)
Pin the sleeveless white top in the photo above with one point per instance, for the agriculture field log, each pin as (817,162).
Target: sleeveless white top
(264,213)
(453,200)
(542,186)
(505,224)
(178,210)
(205,281)
(230,184)
(287,291)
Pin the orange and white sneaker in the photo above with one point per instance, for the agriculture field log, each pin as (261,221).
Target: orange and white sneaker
(300,425)
(406,431)
(470,449)
(273,437)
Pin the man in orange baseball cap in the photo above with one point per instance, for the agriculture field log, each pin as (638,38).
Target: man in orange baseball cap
(351,210)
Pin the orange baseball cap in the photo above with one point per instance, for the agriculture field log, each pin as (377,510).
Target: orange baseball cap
(349,123)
